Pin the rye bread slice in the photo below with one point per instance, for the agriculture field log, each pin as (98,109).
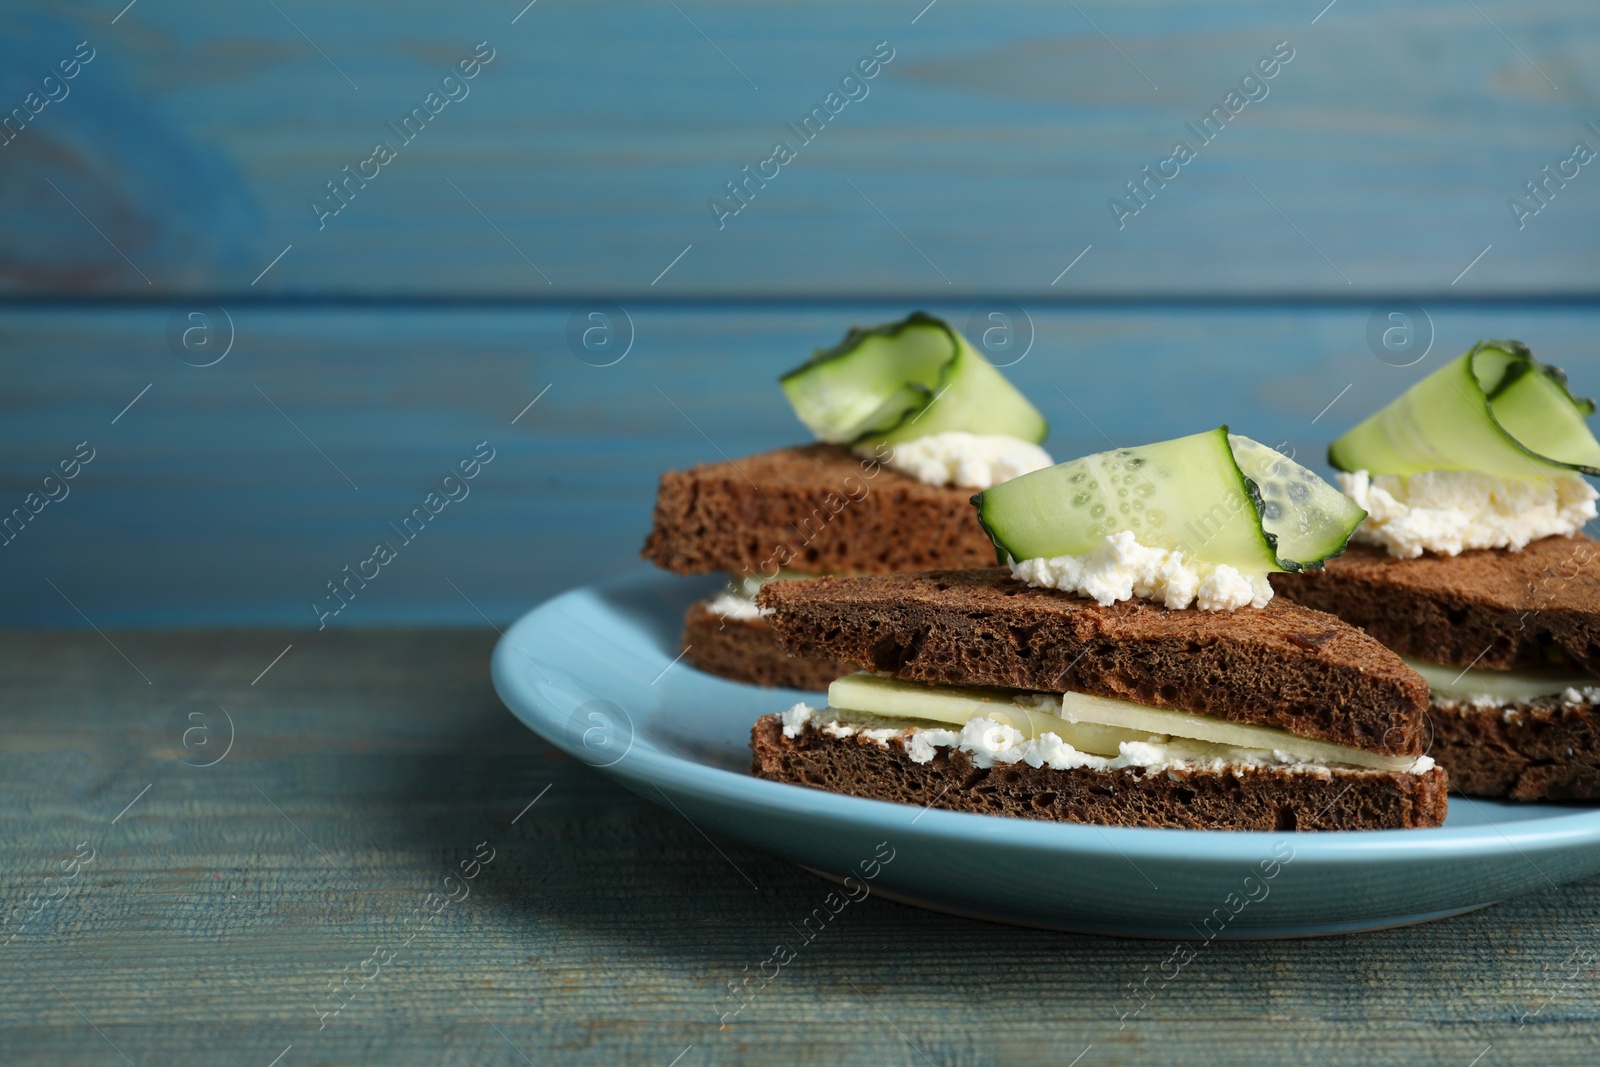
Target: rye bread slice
(1283,665)
(1540,750)
(1232,799)
(817,509)
(746,650)
(1491,608)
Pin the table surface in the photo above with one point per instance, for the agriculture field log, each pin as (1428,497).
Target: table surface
(221,902)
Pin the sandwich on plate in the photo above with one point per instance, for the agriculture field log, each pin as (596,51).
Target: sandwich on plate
(1128,665)
(909,420)
(1472,564)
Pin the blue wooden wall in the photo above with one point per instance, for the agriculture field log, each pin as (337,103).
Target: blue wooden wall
(174,174)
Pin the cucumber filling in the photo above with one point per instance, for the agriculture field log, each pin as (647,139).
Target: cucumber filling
(1506,689)
(1065,731)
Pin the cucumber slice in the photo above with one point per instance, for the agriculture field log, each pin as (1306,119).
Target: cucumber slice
(1214,496)
(1307,519)
(1137,717)
(1514,687)
(959,704)
(1092,724)
(906,380)
(1496,410)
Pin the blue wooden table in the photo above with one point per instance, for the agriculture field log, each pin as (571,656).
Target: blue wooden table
(364,857)
(269,270)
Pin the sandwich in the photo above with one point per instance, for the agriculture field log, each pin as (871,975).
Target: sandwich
(1473,565)
(1127,665)
(909,420)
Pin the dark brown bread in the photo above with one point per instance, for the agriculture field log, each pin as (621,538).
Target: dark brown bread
(1253,799)
(1545,751)
(746,650)
(816,509)
(1493,609)
(1283,665)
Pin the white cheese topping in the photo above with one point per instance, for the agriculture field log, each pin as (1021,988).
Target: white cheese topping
(734,604)
(738,600)
(795,719)
(968,460)
(922,745)
(1447,512)
(1512,710)
(990,742)
(1122,568)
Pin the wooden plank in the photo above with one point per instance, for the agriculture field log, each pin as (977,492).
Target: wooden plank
(220,496)
(982,158)
(366,766)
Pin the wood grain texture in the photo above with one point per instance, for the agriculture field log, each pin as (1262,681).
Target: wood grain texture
(208,501)
(605,930)
(981,160)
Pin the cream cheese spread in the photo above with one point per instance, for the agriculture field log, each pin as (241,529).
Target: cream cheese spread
(958,458)
(795,719)
(736,604)
(990,742)
(738,600)
(1122,568)
(1449,511)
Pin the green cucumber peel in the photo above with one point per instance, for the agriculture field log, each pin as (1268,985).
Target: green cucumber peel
(904,380)
(1496,410)
(1216,497)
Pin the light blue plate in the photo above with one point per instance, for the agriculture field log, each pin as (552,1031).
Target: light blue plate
(594,672)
